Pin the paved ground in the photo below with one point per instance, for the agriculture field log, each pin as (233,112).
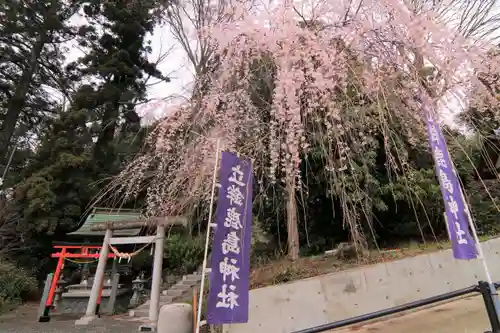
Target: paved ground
(466,315)
(462,316)
(24,320)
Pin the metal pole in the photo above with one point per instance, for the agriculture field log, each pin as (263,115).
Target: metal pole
(472,225)
(154,303)
(479,247)
(485,290)
(447,226)
(207,240)
(474,233)
(98,279)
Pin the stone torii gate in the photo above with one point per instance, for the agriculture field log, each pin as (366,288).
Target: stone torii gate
(158,239)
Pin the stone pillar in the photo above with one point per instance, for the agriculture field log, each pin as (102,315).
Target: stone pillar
(42,316)
(114,268)
(154,302)
(84,280)
(110,307)
(154,305)
(60,289)
(90,314)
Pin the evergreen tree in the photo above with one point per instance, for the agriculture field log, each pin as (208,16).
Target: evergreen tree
(118,61)
(57,188)
(31,37)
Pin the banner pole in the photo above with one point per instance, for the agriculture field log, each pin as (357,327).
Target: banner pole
(207,240)
(478,242)
(479,247)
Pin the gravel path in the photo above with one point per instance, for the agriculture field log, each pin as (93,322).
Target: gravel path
(24,320)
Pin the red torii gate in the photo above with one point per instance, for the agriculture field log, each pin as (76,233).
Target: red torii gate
(67,251)
(77,251)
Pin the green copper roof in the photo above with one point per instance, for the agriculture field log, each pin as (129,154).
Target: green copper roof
(100,215)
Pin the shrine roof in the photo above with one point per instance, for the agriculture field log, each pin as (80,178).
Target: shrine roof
(107,215)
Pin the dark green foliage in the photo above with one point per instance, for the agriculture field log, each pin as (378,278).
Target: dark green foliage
(16,285)
(183,254)
(56,191)
(485,206)
(66,152)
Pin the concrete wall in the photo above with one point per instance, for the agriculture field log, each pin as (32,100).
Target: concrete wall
(327,298)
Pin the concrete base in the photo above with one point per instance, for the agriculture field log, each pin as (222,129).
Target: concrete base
(176,318)
(150,327)
(85,320)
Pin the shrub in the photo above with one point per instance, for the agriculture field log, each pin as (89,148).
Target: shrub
(183,254)
(16,285)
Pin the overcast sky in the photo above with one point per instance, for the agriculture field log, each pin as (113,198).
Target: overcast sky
(175,66)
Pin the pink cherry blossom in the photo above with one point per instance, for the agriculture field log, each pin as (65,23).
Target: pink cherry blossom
(283,83)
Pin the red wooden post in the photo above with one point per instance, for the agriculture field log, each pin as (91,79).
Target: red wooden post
(57,273)
(53,286)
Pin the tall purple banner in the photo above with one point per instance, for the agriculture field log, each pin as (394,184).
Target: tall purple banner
(462,243)
(230,263)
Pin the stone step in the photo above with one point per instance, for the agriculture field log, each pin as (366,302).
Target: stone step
(192,277)
(191,280)
(189,283)
(180,286)
(143,310)
(139,312)
(176,292)
(164,299)
(179,292)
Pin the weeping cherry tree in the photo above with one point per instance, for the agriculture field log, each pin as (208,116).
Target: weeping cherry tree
(287,80)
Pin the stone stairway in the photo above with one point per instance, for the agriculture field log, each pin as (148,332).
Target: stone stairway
(179,292)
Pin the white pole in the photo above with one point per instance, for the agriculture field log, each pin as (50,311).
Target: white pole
(447,226)
(207,240)
(154,304)
(479,249)
(478,242)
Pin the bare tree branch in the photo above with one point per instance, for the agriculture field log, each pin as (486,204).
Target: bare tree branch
(477,19)
(187,19)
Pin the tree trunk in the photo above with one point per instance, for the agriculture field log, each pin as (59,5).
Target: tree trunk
(102,148)
(358,238)
(291,215)
(368,230)
(18,100)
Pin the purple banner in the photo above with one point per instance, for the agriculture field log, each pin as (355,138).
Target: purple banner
(230,263)
(462,243)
